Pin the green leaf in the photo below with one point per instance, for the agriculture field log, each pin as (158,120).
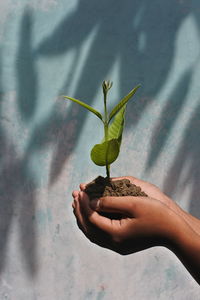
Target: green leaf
(115,129)
(105,153)
(94,111)
(111,148)
(117,108)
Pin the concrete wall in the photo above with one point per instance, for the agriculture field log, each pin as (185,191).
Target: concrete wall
(54,47)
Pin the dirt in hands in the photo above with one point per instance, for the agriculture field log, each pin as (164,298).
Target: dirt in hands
(102,187)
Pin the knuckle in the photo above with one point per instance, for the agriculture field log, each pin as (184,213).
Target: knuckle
(133,204)
(82,186)
(101,204)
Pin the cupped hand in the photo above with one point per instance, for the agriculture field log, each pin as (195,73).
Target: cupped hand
(150,189)
(154,192)
(145,221)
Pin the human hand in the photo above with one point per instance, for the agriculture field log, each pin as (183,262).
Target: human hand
(150,189)
(145,221)
(154,192)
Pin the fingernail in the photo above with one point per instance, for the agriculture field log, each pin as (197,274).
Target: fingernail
(94,204)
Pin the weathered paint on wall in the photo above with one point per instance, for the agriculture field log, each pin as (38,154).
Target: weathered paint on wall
(49,48)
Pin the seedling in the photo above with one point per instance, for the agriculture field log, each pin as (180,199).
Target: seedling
(105,153)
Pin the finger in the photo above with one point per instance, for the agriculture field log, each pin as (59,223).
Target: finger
(82,186)
(124,205)
(75,194)
(150,189)
(73,204)
(107,225)
(122,177)
(79,217)
(133,180)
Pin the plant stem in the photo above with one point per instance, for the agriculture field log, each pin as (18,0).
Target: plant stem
(106,139)
(106,132)
(108,171)
(105,108)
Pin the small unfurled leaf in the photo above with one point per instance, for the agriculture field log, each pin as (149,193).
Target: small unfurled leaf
(94,111)
(105,153)
(115,129)
(122,103)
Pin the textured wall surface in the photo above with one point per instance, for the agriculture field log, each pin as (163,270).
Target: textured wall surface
(54,47)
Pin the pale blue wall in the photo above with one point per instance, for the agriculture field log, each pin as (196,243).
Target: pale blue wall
(54,47)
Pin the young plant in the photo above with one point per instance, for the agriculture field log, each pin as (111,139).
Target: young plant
(105,153)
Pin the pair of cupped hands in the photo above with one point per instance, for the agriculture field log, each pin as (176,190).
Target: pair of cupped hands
(145,222)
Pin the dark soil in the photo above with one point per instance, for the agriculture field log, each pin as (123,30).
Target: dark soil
(101,187)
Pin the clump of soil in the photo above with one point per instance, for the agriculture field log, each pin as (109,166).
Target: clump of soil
(102,187)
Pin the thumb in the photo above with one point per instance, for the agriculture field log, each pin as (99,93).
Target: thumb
(124,205)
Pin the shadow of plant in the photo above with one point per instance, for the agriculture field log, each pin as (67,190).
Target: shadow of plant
(26,70)
(17,185)
(171,112)
(183,174)
(140,37)
(185,170)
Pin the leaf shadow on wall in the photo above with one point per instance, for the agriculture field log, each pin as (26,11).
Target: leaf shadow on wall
(17,184)
(141,39)
(185,170)
(26,70)
(183,175)
(170,113)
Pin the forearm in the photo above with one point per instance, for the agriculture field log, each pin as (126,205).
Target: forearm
(187,248)
(193,222)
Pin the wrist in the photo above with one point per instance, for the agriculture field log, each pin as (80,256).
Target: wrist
(185,243)
(169,229)
(174,231)
(186,239)
(193,222)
